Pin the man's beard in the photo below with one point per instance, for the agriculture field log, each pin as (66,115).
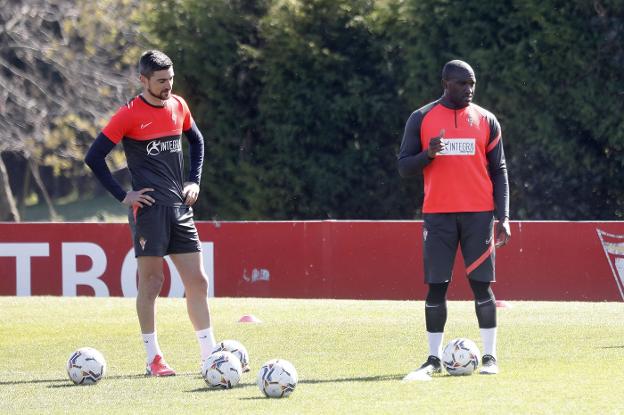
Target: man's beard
(164,95)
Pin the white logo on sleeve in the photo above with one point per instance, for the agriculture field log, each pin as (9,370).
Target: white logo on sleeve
(145,125)
(459,147)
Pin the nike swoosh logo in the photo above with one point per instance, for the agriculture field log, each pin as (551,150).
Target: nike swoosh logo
(432,305)
(483,302)
(203,337)
(145,125)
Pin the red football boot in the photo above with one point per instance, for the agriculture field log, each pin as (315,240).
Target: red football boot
(159,367)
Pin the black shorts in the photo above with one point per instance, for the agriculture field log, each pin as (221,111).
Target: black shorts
(443,232)
(161,230)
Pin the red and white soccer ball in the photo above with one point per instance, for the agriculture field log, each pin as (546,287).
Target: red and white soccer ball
(86,366)
(237,349)
(222,370)
(461,357)
(277,378)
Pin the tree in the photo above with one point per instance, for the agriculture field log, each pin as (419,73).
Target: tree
(215,48)
(56,72)
(331,111)
(551,71)
(303,103)
(298,104)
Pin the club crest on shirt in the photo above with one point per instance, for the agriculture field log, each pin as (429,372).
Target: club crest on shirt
(470,120)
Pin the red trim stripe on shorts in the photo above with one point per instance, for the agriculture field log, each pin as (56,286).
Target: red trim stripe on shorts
(482,258)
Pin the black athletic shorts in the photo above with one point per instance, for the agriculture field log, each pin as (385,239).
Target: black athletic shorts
(473,231)
(161,230)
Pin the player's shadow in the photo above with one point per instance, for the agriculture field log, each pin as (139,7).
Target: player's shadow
(380,378)
(209,389)
(33,381)
(109,378)
(65,382)
(612,347)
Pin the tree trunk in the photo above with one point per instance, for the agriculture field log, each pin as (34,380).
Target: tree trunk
(21,200)
(8,209)
(34,169)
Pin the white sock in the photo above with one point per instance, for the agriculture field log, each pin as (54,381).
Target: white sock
(488,336)
(150,341)
(206,341)
(435,344)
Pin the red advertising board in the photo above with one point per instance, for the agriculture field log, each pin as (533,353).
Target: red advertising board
(567,261)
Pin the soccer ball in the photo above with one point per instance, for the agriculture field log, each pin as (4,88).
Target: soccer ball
(222,370)
(86,366)
(277,378)
(460,357)
(237,349)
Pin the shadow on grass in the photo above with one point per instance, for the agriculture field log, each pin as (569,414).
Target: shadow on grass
(381,378)
(66,382)
(613,347)
(210,389)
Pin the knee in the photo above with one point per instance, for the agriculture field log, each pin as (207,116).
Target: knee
(152,284)
(198,285)
(437,293)
(482,291)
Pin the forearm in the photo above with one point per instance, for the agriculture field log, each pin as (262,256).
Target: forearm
(413,165)
(501,193)
(96,160)
(196,150)
(497,166)
(412,159)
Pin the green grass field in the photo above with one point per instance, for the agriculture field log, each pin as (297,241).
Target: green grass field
(102,208)
(350,355)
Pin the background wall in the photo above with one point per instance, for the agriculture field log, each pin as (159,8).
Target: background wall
(315,259)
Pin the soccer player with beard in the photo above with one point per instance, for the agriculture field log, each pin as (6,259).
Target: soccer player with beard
(150,127)
(456,145)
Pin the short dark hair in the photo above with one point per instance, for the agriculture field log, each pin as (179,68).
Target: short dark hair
(152,61)
(455,66)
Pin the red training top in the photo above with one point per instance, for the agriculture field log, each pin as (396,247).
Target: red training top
(460,179)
